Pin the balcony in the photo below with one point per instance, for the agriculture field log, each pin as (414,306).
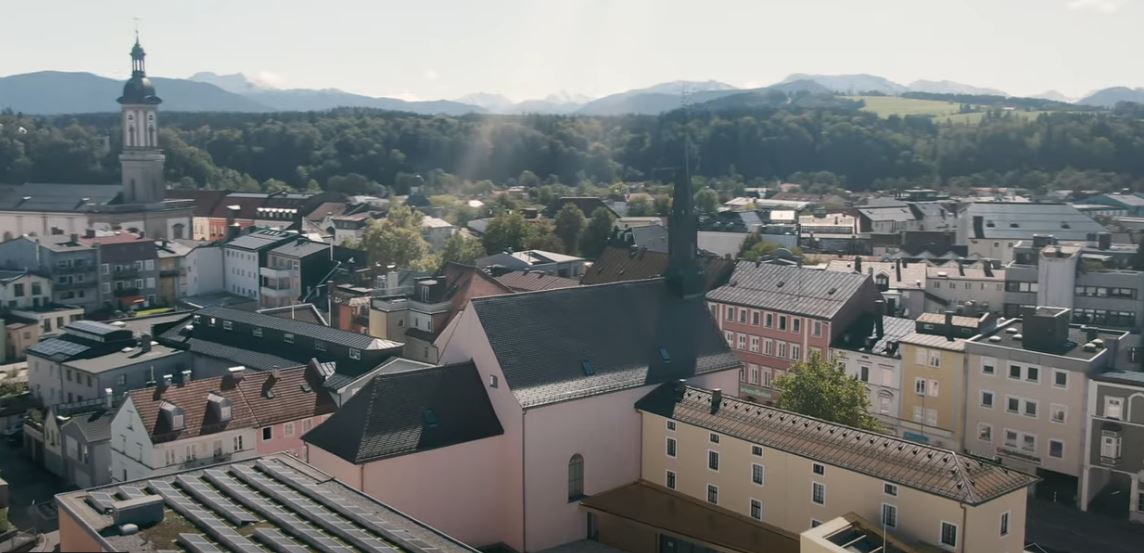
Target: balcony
(268,272)
(204,461)
(73,269)
(268,292)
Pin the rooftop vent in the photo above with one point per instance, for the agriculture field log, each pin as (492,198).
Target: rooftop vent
(1017,337)
(942,274)
(831,291)
(1090,347)
(1011,330)
(994,339)
(780,284)
(1099,343)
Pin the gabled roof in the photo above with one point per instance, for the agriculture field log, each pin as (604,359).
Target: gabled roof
(651,237)
(94,426)
(206,201)
(570,343)
(809,292)
(531,281)
(57,197)
(257,399)
(409,411)
(328,334)
(913,274)
(620,264)
(932,470)
(1019,220)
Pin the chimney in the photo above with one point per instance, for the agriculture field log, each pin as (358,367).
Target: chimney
(166,381)
(898,268)
(680,389)
(89,233)
(1091,333)
(74,239)
(233,231)
(145,342)
(236,372)
(108,398)
(275,373)
(858,264)
(1104,240)
(716,400)
(949,324)
(960,269)
(186,377)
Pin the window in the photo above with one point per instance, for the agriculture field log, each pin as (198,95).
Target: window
(816,328)
(889,515)
(818,468)
(306,425)
(493,382)
(1005,523)
(796,324)
(1011,438)
(948,534)
(713,460)
(1029,442)
(1109,445)
(1058,413)
(768,346)
(670,481)
(864,373)
(1060,379)
(920,386)
(742,341)
(671,447)
(713,438)
(267,433)
(814,523)
(818,493)
(754,344)
(758,472)
(575,477)
(984,432)
(782,322)
(769,320)
(227,325)
(782,349)
(933,388)
(1015,372)
(289,428)
(742,315)
(671,425)
(756,509)
(890,489)
(1033,374)
(752,373)
(729,314)
(712,494)
(355,354)
(755,318)
(1056,449)
(987,399)
(288,337)
(796,352)
(1013,405)
(1114,408)
(1030,408)
(730,337)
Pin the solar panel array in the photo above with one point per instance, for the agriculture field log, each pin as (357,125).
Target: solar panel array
(278,541)
(129,492)
(101,501)
(198,544)
(211,498)
(57,346)
(205,520)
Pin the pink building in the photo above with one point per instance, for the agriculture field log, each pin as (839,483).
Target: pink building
(774,316)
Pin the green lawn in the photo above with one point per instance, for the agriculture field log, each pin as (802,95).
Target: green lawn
(886,106)
(975,117)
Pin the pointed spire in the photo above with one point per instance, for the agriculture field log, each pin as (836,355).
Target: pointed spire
(684,275)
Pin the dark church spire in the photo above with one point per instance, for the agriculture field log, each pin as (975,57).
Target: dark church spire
(684,275)
(137,56)
(139,89)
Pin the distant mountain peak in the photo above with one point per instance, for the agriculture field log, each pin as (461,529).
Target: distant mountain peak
(951,87)
(1054,96)
(565,97)
(490,101)
(237,83)
(678,87)
(850,84)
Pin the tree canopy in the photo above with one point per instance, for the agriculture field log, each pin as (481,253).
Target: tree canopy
(822,389)
(397,240)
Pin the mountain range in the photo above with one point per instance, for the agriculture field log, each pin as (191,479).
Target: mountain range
(57,92)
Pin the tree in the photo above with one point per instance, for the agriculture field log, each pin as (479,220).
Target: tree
(662,204)
(821,389)
(272,186)
(596,234)
(528,179)
(397,239)
(542,236)
(569,223)
(506,231)
(462,249)
(640,207)
(707,200)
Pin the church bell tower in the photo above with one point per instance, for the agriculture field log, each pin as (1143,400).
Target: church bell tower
(141,161)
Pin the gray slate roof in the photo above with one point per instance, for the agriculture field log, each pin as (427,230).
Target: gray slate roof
(808,292)
(94,426)
(324,333)
(301,248)
(929,469)
(542,340)
(409,411)
(888,213)
(1023,220)
(652,237)
(260,239)
(57,197)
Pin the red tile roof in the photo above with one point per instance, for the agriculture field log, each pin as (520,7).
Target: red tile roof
(295,396)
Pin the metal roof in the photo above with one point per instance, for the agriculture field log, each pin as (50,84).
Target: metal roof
(327,334)
(57,197)
(809,292)
(1009,220)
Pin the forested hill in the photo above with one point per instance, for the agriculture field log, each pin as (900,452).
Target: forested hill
(752,140)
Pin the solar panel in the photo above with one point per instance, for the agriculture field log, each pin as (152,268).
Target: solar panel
(130,492)
(197,544)
(278,541)
(211,498)
(57,347)
(100,501)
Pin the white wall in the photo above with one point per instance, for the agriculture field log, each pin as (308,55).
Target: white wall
(40,224)
(240,272)
(204,270)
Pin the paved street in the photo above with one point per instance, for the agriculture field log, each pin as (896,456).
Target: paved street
(27,484)
(1060,529)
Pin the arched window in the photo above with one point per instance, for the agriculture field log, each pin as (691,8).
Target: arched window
(575,477)
(177,231)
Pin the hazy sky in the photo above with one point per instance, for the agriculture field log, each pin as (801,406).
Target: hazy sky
(530,48)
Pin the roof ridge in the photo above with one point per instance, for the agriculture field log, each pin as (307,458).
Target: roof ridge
(569,289)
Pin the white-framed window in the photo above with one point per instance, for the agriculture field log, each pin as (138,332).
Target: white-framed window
(889,515)
(1014,372)
(267,433)
(1030,408)
(742,341)
(1060,379)
(713,437)
(755,318)
(933,388)
(988,365)
(712,460)
(1005,523)
(796,324)
(319,345)
(742,316)
(494,382)
(816,328)
(1114,408)
(864,373)
(289,428)
(752,373)
(1056,449)
(713,494)
(818,468)
(818,493)
(1013,404)
(754,344)
(920,386)
(796,352)
(782,349)
(671,447)
(758,474)
(669,480)
(756,509)
(985,432)
(288,337)
(1033,374)
(890,489)
(948,536)
(355,354)
(768,346)
(256,331)
(1058,413)
(730,337)
(987,399)
(756,450)
(1110,444)
(769,320)
(671,426)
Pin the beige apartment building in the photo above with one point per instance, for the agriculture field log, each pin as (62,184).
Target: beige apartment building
(933,389)
(788,473)
(1028,380)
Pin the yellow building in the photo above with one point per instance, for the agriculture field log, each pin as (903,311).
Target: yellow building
(933,390)
(785,473)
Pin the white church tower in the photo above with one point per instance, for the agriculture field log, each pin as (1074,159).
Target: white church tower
(141,161)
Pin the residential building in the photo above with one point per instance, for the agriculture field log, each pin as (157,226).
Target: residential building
(205,272)
(870,351)
(26,327)
(586,204)
(182,423)
(351,226)
(206,202)
(568,266)
(787,471)
(933,389)
(80,340)
(21,289)
(1113,475)
(887,218)
(774,316)
(295,269)
(902,284)
(72,266)
(1026,398)
(1093,279)
(436,231)
(275,500)
(245,255)
(85,435)
(128,269)
(964,288)
(171,258)
(992,229)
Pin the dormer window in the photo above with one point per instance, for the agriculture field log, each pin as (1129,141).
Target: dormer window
(219,408)
(173,416)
